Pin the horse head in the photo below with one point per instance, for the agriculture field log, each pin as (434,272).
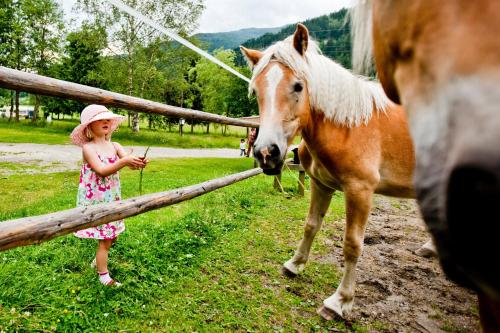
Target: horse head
(441,60)
(282,98)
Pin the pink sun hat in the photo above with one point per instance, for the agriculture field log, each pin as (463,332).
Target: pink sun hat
(90,114)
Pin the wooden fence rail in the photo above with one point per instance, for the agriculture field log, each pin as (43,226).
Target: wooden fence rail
(38,229)
(42,85)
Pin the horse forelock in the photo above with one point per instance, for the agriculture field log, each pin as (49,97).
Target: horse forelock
(344,98)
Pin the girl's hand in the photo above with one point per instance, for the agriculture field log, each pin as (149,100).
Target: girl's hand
(133,162)
(145,160)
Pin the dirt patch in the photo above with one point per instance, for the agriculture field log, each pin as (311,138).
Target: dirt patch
(398,290)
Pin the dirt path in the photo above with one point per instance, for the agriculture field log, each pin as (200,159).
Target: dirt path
(396,288)
(42,158)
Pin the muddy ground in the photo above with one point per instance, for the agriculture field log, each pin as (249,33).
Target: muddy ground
(398,290)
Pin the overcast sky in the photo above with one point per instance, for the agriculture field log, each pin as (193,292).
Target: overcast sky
(228,15)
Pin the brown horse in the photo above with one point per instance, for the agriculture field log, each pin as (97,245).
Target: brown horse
(441,60)
(354,140)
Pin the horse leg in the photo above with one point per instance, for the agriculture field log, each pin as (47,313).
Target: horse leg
(358,204)
(320,200)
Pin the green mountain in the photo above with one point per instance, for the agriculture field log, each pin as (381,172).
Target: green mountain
(231,39)
(331,31)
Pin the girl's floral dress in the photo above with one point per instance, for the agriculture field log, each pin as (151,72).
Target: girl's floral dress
(94,189)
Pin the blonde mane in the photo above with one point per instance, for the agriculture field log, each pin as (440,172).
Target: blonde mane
(361,36)
(344,98)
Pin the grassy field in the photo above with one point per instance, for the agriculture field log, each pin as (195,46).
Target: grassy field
(207,265)
(58,133)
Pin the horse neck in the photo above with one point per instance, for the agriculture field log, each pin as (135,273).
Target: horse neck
(313,127)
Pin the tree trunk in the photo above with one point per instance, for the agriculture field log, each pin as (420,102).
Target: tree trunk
(208,128)
(192,126)
(11,104)
(135,115)
(135,122)
(128,114)
(150,120)
(17,105)
(37,106)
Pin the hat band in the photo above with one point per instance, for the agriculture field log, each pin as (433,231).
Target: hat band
(98,113)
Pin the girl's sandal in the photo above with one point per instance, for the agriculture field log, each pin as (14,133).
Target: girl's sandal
(114,283)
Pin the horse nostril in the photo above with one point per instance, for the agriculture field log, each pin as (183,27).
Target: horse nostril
(472,191)
(257,154)
(274,151)
(473,195)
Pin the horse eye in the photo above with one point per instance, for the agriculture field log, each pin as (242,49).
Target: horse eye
(297,87)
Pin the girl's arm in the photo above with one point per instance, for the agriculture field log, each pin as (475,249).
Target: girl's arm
(119,150)
(104,170)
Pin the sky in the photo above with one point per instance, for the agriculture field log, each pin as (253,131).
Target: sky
(229,15)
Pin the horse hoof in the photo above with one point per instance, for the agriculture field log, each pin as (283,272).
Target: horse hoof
(428,250)
(328,314)
(426,253)
(288,273)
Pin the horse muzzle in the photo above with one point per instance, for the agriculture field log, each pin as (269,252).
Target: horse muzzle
(472,213)
(269,158)
(458,190)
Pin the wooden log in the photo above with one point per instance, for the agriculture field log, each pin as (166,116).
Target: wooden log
(295,167)
(38,229)
(302,179)
(42,85)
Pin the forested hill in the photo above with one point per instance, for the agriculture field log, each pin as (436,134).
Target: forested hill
(330,31)
(232,39)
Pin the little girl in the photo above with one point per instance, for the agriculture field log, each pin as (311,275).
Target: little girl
(99,180)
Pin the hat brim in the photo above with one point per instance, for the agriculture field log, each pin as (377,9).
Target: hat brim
(78,136)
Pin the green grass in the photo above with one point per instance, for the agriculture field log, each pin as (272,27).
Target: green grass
(58,133)
(211,264)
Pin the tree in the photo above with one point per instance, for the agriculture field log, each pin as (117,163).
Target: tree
(222,92)
(6,44)
(45,25)
(128,35)
(81,63)
(13,46)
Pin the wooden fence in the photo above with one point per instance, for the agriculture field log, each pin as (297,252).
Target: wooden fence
(37,229)
(42,85)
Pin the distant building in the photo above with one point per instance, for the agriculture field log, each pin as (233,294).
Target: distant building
(25,111)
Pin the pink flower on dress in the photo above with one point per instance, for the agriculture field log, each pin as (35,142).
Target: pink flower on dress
(89,194)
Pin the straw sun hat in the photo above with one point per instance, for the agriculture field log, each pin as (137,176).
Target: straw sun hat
(90,114)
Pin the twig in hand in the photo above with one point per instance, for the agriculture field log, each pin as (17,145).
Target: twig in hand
(142,169)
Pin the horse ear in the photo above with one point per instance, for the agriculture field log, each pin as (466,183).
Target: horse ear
(252,56)
(301,38)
